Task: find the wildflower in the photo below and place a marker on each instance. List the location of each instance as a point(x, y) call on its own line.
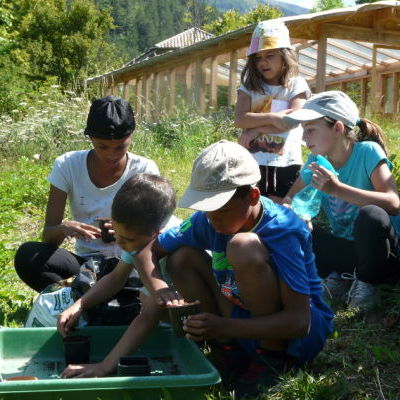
point(36, 156)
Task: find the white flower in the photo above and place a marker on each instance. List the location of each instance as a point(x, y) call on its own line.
point(36, 156)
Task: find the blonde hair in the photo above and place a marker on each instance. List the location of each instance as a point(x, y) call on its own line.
point(364, 130)
point(253, 80)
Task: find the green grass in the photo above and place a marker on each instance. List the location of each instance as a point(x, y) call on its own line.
point(360, 360)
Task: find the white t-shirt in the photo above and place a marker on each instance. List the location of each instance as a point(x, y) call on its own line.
point(282, 149)
point(89, 202)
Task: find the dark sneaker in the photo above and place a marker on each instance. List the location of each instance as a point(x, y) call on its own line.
point(229, 359)
point(263, 372)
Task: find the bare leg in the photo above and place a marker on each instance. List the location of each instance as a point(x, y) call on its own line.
point(257, 282)
point(190, 270)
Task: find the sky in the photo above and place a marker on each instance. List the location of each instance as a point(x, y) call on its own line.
point(310, 3)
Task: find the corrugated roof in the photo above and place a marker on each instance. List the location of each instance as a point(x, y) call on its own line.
point(185, 38)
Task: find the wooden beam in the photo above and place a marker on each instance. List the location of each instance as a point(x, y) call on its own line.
point(343, 86)
point(232, 89)
point(156, 96)
point(171, 89)
point(139, 102)
point(375, 93)
point(363, 95)
point(357, 33)
point(321, 63)
point(200, 85)
point(188, 84)
point(395, 89)
point(213, 82)
point(147, 106)
point(125, 91)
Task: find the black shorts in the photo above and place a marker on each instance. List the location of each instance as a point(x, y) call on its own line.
point(277, 181)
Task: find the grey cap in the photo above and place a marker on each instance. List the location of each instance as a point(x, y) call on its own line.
point(333, 104)
point(216, 174)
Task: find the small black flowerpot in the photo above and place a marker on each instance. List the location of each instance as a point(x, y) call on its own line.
point(177, 314)
point(133, 366)
point(77, 349)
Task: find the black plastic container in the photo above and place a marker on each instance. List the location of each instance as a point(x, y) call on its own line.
point(133, 366)
point(105, 236)
point(178, 314)
point(77, 349)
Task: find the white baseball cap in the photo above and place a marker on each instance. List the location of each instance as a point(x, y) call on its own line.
point(269, 35)
point(216, 174)
point(333, 104)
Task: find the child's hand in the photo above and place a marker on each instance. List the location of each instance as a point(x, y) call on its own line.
point(203, 326)
point(277, 120)
point(85, 371)
point(169, 297)
point(324, 180)
point(247, 136)
point(80, 230)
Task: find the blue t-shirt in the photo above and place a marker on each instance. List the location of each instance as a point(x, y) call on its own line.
point(289, 244)
point(357, 173)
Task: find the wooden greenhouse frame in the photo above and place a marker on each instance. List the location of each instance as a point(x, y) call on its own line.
point(336, 48)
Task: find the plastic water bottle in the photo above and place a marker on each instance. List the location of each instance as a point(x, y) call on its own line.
point(307, 203)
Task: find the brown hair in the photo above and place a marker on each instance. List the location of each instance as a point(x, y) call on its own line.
point(253, 80)
point(367, 130)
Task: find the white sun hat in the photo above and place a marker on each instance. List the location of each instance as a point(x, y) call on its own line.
point(216, 174)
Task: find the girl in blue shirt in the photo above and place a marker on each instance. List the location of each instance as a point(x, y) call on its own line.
point(361, 202)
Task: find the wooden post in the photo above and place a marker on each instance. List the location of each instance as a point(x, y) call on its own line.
point(171, 89)
point(395, 92)
point(363, 95)
point(213, 82)
point(188, 84)
point(232, 89)
point(343, 86)
point(375, 95)
point(139, 85)
point(125, 91)
point(200, 86)
point(156, 96)
point(321, 63)
point(147, 97)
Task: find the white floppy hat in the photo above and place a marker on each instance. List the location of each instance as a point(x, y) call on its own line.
point(333, 104)
point(216, 174)
point(269, 35)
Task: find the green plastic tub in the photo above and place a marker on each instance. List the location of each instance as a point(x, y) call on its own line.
point(179, 370)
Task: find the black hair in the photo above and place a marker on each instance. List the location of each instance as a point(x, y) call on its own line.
point(144, 203)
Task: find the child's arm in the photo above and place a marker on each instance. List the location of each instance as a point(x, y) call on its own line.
point(137, 332)
point(246, 119)
point(103, 290)
point(291, 322)
point(149, 270)
point(385, 194)
point(298, 185)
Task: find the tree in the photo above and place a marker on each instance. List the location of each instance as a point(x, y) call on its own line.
point(323, 5)
point(232, 19)
point(62, 39)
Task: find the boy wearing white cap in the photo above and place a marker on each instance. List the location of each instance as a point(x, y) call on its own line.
point(259, 292)
point(271, 87)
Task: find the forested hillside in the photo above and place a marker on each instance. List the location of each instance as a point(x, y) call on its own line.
point(139, 24)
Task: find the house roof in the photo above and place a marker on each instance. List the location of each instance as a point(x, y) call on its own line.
point(185, 38)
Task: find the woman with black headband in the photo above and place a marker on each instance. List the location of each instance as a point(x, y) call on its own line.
point(89, 180)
